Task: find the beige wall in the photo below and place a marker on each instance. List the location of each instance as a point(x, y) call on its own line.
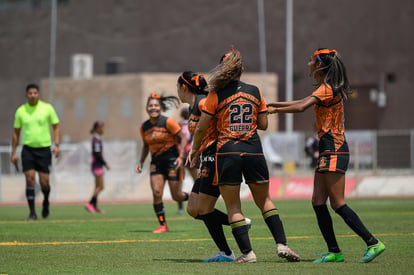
point(137, 87)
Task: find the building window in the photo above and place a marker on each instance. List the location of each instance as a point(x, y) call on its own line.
point(80, 108)
point(126, 106)
point(102, 111)
point(59, 104)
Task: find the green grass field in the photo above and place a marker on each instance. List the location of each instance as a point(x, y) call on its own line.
point(121, 241)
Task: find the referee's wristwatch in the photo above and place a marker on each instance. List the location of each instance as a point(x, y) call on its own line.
point(57, 145)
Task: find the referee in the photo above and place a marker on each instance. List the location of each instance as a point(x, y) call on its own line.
point(35, 118)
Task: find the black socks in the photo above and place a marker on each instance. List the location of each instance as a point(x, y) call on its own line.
point(215, 229)
point(30, 196)
point(353, 221)
point(326, 227)
point(275, 226)
point(240, 232)
point(160, 212)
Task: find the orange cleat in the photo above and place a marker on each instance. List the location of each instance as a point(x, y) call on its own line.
point(161, 229)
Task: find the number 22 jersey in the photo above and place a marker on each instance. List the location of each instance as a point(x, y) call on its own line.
point(236, 108)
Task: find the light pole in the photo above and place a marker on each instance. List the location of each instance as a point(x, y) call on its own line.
point(289, 61)
point(262, 43)
point(52, 57)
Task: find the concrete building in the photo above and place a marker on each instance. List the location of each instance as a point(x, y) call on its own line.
point(158, 36)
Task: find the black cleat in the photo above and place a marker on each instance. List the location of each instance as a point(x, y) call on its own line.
point(32, 217)
point(45, 210)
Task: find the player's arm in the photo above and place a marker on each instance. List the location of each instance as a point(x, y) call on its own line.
point(262, 121)
point(296, 106)
point(144, 154)
point(56, 138)
point(200, 132)
point(15, 142)
point(183, 144)
point(283, 103)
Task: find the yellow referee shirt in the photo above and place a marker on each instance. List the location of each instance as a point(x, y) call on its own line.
point(35, 122)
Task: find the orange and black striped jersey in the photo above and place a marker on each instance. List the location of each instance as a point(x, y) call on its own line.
point(195, 113)
point(236, 108)
point(329, 112)
point(161, 137)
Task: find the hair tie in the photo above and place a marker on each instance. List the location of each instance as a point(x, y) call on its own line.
point(154, 95)
point(186, 81)
point(196, 78)
point(324, 51)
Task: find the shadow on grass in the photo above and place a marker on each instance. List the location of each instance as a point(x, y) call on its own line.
point(179, 260)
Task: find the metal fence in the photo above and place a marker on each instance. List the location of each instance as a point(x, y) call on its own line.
point(72, 179)
point(370, 150)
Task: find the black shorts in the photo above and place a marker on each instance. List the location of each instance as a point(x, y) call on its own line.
point(330, 161)
point(38, 159)
point(166, 167)
point(208, 175)
point(232, 166)
point(333, 163)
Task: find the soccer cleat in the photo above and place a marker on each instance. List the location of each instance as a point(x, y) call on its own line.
point(32, 217)
point(89, 207)
point(161, 229)
point(372, 252)
point(283, 251)
point(247, 258)
point(248, 223)
point(45, 210)
point(221, 257)
point(330, 257)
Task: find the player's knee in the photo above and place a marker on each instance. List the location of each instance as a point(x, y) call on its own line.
point(30, 180)
point(156, 194)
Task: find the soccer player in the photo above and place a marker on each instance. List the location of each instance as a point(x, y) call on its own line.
point(191, 89)
point(328, 70)
point(240, 110)
point(35, 118)
point(97, 165)
point(159, 135)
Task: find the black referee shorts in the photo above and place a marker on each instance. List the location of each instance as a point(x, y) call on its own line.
point(38, 159)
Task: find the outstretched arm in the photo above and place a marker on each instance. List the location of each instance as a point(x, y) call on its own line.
point(296, 106)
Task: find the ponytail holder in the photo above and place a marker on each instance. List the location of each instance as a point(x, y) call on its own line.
point(324, 51)
point(227, 54)
point(196, 78)
point(154, 95)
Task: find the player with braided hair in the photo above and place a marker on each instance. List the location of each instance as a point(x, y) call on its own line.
point(328, 70)
point(160, 138)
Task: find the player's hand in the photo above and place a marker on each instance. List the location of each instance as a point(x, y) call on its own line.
point(56, 151)
point(107, 167)
point(271, 109)
point(194, 159)
point(178, 162)
point(14, 159)
point(138, 169)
